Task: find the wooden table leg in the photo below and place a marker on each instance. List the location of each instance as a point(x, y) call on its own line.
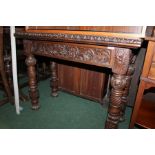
point(128, 78)
point(122, 58)
point(33, 91)
point(54, 79)
point(118, 84)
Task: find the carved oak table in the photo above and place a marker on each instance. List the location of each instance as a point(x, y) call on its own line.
point(103, 49)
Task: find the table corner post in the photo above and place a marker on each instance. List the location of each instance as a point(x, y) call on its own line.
point(31, 62)
point(122, 58)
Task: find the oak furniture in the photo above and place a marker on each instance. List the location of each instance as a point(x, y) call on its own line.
point(101, 46)
point(144, 109)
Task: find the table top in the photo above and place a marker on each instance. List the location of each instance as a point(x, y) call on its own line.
point(122, 36)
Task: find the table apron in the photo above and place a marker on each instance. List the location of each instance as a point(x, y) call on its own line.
point(88, 54)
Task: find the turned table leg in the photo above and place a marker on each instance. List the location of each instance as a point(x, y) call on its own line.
point(33, 91)
point(54, 79)
point(119, 83)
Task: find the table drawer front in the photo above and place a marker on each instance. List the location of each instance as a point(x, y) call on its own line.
point(89, 54)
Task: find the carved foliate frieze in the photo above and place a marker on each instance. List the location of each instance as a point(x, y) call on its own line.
point(122, 60)
point(94, 55)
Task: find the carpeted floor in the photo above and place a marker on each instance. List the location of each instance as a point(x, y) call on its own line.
point(63, 112)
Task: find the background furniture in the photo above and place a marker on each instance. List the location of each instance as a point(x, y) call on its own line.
point(108, 47)
point(88, 82)
point(8, 60)
point(3, 75)
point(144, 109)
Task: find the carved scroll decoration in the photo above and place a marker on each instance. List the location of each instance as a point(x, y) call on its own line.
point(74, 52)
point(121, 60)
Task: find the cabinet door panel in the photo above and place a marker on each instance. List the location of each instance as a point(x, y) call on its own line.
point(69, 78)
point(82, 80)
point(92, 84)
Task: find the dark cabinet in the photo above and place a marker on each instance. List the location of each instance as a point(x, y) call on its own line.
point(80, 80)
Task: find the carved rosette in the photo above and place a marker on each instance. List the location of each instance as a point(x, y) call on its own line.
point(97, 55)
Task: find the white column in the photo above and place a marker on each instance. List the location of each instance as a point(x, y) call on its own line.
point(14, 68)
